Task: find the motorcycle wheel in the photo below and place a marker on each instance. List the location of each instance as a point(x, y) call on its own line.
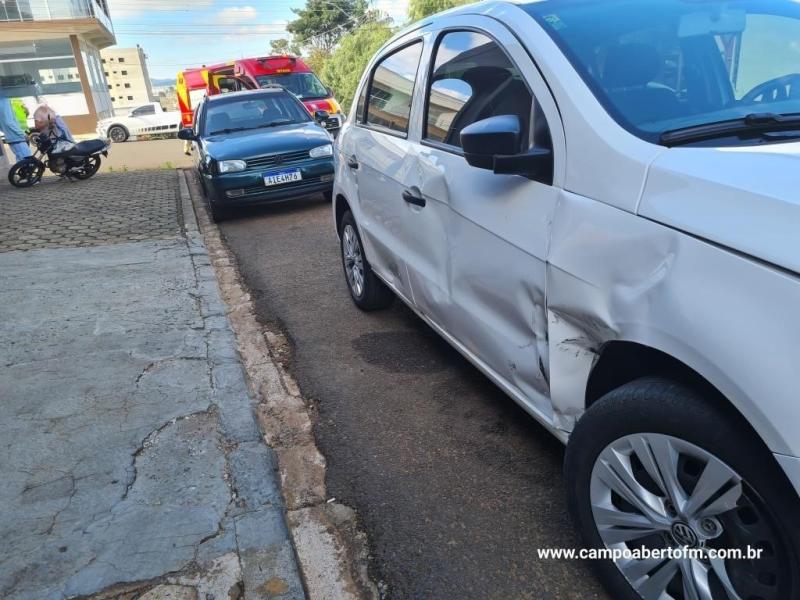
point(26, 173)
point(87, 169)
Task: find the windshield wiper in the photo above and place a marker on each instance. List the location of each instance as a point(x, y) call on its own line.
point(278, 122)
point(230, 130)
point(270, 124)
point(751, 124)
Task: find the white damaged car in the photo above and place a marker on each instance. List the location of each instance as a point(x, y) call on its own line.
point(148, 119)
point(598, 204)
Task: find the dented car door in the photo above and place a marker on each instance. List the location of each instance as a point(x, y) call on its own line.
point(491, 296)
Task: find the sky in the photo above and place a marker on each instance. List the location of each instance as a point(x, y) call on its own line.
point(177, 34)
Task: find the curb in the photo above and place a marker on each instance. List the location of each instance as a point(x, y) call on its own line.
point(331, 550)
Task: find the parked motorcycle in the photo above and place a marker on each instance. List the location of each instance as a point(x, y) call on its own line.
point(73, 161)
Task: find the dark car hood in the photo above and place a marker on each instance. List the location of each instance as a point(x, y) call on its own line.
point(271, 140)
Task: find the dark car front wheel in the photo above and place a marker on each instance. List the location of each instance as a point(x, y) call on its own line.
point(218, 213)
point(656, 465)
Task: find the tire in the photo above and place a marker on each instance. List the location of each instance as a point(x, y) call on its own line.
point(118, 134)
point(685, 434)
point(366, 289)
point(92, 166)
point(26, 173)
point(218, 213)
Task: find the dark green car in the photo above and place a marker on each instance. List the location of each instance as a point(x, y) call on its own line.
point(258, 147)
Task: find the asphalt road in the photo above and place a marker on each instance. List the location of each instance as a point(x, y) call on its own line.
point(455, 485)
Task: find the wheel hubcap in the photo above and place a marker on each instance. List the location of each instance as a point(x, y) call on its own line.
point(655, 491)
point(353, 260)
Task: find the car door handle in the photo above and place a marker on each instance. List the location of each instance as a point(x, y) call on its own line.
point(352, 162)
point(413, 198)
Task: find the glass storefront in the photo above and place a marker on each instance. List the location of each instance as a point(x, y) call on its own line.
point(51, 64)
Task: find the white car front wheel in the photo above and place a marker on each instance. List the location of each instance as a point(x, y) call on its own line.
point(656, 466)
point(118, 134)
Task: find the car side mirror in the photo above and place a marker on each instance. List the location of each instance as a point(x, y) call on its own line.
point(321, 116)
point(187, 134)
point(494, 143)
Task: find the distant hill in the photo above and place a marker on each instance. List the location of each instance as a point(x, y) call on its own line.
point(162, 82)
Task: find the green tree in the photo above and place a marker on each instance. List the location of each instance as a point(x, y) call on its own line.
point(316, 58)
point(419, 9)
point(283, 46)
point(323, 22)
point(342, 71)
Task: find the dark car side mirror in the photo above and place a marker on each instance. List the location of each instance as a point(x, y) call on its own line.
point(494, 143)
point(187, 134)
point(320, 116)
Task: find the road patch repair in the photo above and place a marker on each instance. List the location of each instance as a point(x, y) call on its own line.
point(331, 548)
point(134, 466)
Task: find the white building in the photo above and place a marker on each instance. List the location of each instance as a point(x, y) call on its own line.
point(128, 79)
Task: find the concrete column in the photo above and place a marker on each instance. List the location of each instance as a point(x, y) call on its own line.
point(81, 124)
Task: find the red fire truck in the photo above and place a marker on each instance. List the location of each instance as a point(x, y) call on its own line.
point(190, 88)
point(289, 72)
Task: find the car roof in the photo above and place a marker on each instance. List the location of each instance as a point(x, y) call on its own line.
point(474, 8)
point(246, 94)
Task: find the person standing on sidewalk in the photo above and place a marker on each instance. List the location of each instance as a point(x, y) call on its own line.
point(15, 136)
point(21, 112)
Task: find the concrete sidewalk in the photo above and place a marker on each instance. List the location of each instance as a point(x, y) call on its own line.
point(132, 464)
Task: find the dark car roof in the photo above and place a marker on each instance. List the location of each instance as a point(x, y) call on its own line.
point(246, 94)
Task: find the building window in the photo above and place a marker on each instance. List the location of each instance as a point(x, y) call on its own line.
point(121, 59)
point(130, 97)
point(109, 87)
point(124, 73)
point(127, 85)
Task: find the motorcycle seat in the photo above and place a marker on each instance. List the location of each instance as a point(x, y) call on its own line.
point(88, 147)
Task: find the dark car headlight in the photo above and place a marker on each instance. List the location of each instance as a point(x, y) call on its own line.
point(231, 166)
point(321, 151)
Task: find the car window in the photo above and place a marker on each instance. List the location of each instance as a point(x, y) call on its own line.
point(144, 110)
point(663, 65)
point(472, 79)
point(253, 113)
point(392, 88)
point(305, 86)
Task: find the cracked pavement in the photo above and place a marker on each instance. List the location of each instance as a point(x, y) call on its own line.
point(132, 458)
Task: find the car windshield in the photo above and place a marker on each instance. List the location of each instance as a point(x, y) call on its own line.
point(662, 65)
point(303, 85)
point(249, 112)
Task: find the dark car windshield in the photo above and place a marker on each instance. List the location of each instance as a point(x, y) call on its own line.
point(662, 65)
point(253, 112)
point(303, 85)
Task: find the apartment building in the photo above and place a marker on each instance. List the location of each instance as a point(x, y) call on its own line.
point(57, 43)
point(128, 79)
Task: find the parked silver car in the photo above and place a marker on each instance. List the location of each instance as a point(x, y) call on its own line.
point(597, 204)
